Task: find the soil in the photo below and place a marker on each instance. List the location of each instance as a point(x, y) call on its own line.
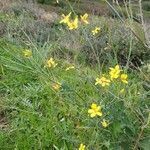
point(3, 120)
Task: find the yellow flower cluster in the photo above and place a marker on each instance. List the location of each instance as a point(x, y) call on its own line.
point(50, 63)
point(94, 111)
point(27, 53)
point(56, 86)
point(73, 24)
point(114, 73)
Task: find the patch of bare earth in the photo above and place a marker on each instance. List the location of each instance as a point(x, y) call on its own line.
point(4, 4)
point(3, 121)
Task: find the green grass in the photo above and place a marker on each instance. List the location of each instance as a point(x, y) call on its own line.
point(41, 118)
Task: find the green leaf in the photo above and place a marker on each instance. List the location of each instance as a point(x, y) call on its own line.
point(116, 128)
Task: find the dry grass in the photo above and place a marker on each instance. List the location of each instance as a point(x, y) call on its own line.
point(5, 4)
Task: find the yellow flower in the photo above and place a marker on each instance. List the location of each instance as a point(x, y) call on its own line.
point(102, 81)
point(56, 86)
point(82, 147)
point(124, 78)
point(122, 91)
point(73, 24)
point(69, 68)
point(95, 110)
point(65, 18)
point(50, 63)
point(84, 18)
point(104, 123)
point(27, 53)
point(96, 30)
point(114, 72)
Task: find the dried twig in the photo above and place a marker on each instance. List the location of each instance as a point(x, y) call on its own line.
point(141, 132)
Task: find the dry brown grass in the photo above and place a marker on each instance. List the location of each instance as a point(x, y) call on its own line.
point(4, 4)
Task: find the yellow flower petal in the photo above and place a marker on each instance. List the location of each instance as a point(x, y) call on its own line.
point(27, 53)
point(50, 63)
point(93, 115)
point(65, 18)
point(82, 147)
point(96, 30)
point(73, 24)
point(69, 68)
point(84, 18)
point(90, 111)
point(56, 86)
point(102, 81)
point(104, 123)
point(122, 91)
point(124, 78)
point(99, 113)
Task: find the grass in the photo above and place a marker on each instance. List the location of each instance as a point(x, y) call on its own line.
point(41, 117)
point(35, 115)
